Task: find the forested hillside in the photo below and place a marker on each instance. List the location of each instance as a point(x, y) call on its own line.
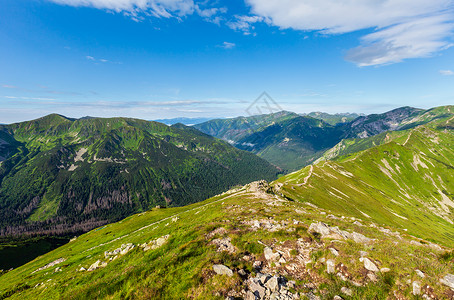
point(62, 175)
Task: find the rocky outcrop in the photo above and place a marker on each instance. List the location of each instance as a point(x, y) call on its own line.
point(222, 270)
point(368, 264)
point(224, 244)
point(448, 280)
point(326, 231)
point(265, 286)
point(51, 264)
point(154, 244)
point(122, 250)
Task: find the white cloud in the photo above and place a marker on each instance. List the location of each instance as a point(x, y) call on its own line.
point(159, 8)
point(138, 9)
point(446, 72)
point(404, 28)
point(227, 45)
point(244, 23)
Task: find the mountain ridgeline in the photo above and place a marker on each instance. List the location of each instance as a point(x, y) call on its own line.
point(61, 175)
point(291, 141)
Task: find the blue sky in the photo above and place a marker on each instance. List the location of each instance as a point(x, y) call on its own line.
point(155, 59)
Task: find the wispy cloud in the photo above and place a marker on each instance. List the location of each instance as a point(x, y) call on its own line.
point(43, 89)
point(446, 72)
point(227, 45)
point(100, 60)
point(403, 28)
point(138, 10)
point(29, 98)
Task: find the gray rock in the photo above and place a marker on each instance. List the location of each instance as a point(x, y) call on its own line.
point(368, 264)
point(448, 280)
point(416, 287)
point(273, 284)
point(242, 272)
point(372, 277)
point(257, 264)
point(334, 251)
point(347, 291)
point(222, 270)
point(270, 255)
point(420, 273)
point(251, 296)
point(257, 289)
point(320, 228)
point(263, 278)
point(330, 266)
point(311, 296)
point(385, 270)
point(337, 297)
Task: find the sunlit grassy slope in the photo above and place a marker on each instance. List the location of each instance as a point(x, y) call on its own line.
point(399, 194)
point(407, 182)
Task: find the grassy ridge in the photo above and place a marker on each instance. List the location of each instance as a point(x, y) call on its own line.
point(406, 183)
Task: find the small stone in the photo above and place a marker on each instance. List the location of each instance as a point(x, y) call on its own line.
point(416, 288)
point(420, 273)
point(334, 251)
point(369, 265)
point(273, 284)
point(82, 269)
point(342, 276)
point(257, 264)
point(257, 289)
point(358, 223)
point(270, 255)
point(263, 278)
point(330, 266)
point(251, 296)
point(372, 277)
point(347, 291)
point(448, 280)
point(222, 270)
point(385, 270)
point(242, 272)
point(337, 297)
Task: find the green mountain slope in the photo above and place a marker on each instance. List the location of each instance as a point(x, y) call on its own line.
point(246, 243)
point(61, 175)
point(407, 183)
point(232, 130)
point(285, 139)
point(435, 118)
point(333, 119)
point(292, 144)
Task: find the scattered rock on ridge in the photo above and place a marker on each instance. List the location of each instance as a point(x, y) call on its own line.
point(368, 264)
point(224, 244)
point(448, 280)
point(51, 264)
point(154, 244)
point(222, 270)
point(335, 233)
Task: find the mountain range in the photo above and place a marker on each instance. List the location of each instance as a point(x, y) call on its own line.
point(60, 175)
point(373, 220)
point(291, 141)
